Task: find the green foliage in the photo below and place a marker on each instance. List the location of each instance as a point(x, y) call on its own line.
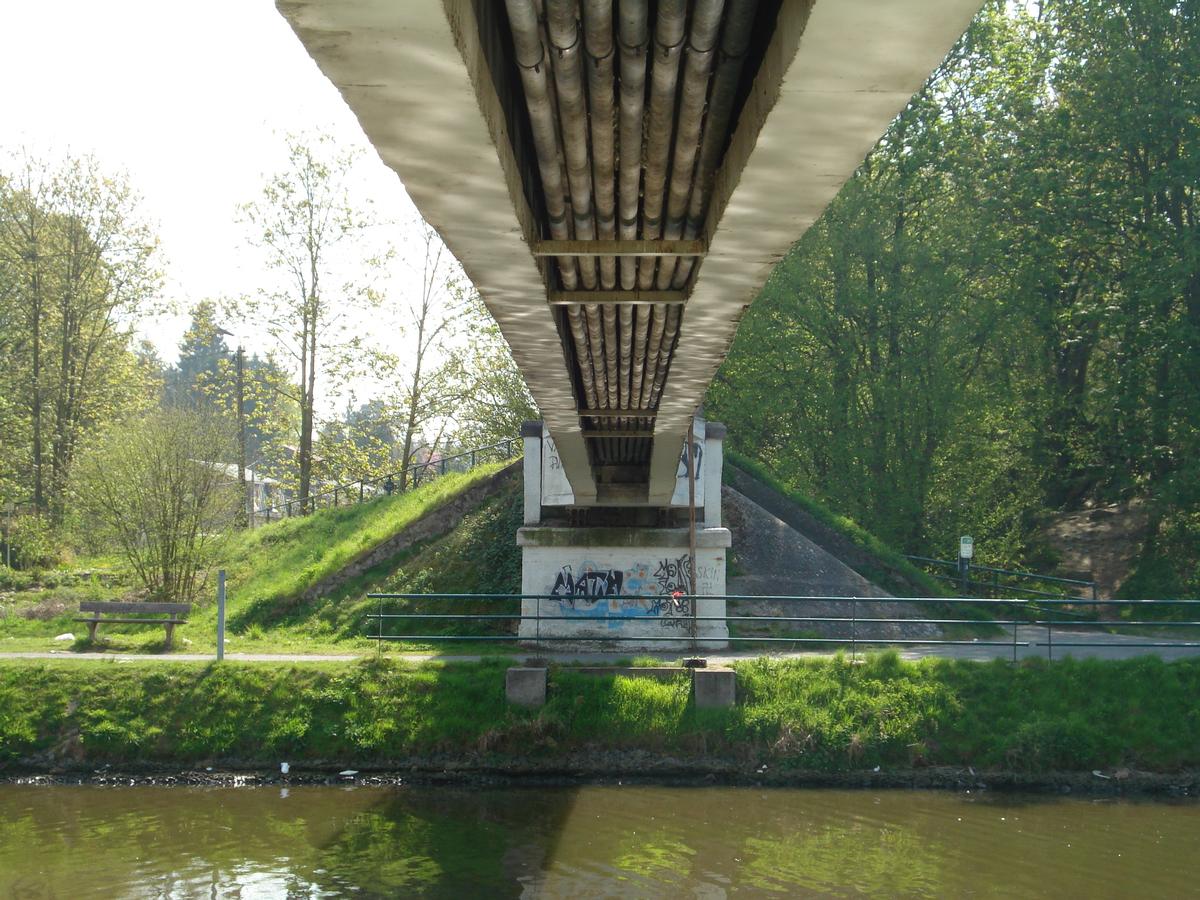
point(35, 543)
point(158, 488)
point(999, 315)
point(817, 714)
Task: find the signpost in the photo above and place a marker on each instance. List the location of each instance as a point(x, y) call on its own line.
point(966, 551)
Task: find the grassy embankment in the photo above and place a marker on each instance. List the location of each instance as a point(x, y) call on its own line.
point(269, 570)
point(818, 715)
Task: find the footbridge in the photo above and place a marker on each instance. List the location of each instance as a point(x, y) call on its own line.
point(619, 177)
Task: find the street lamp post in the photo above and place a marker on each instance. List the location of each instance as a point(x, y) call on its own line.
point(246, 504)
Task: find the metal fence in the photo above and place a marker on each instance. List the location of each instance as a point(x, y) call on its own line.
point(365, 489)
point(852, 617)
point(995, 582)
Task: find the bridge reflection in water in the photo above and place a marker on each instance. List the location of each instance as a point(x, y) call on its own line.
point(585, 841)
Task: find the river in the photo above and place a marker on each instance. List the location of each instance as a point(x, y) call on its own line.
point(591, 841)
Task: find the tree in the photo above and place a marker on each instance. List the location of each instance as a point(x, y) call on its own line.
point(312, 236)
point(77, 264)
point(490, 400)
point(160, 489)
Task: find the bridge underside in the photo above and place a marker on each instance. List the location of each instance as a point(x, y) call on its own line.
point(619, 177)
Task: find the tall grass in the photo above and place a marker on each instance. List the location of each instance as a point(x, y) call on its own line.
point(815, 715)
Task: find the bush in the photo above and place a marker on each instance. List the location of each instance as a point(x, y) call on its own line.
point(35, 545)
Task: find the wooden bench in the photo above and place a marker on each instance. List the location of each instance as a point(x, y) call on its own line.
point(128, 613)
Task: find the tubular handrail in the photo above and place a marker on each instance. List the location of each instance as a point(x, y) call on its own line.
point(1016, 614)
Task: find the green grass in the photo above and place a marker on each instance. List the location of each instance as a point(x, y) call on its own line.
point(889, 558)
point(269, 570)
point(823, 715)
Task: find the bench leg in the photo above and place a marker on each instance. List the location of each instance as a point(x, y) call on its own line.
point(92, 629)
point(170, 635)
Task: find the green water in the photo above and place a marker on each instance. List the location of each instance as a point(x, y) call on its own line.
point(604, 841)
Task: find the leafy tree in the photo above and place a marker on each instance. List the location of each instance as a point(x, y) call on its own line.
point(159, 488)
point(76, 266)
point(312, 235)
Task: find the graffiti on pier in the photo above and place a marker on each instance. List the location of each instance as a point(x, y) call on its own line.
point(673, 575)
point(657, 589)
point(589, 584)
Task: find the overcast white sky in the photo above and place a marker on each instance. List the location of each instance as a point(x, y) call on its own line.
point(191, 101)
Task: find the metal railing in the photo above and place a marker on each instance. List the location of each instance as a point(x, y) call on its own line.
point(852, 618)
point(364, 489)
point(999, 579)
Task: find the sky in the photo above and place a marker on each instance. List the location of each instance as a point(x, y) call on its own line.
point(192, 102)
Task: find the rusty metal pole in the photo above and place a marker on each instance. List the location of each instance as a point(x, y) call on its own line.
point(691, 458)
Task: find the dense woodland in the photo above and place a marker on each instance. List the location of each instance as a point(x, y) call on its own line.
point(999, 315)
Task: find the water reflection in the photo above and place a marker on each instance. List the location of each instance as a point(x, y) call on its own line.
point(584, 842)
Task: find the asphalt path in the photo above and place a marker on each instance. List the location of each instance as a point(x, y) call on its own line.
point(1031, 641)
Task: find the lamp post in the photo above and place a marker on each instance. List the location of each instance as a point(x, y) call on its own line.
point(243, 516)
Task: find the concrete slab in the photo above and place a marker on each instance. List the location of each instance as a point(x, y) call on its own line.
point(525, 686)
point(714, 688)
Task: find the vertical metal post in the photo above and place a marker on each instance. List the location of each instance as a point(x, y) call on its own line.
point(1014, 624)
point(537, 625)
point(362, 487)
point(220, 615)
point(247, 502)
point(853, 629)
point(379, 619)
point(1049, 636)
point(691, 458)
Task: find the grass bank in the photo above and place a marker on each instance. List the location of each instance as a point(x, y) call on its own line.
point(817, 716)
point(270, 569)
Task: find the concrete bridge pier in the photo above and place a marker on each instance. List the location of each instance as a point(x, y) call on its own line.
point(622, 569)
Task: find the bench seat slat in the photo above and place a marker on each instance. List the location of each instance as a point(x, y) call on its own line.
point(108, 606)
point(145, 621)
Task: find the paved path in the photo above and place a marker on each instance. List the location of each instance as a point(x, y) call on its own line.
point(1031, 642)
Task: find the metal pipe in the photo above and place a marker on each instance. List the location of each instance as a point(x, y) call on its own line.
point(670, 332)
point(735, 40)
point(637, 372)
point(598, 44)
point(697, 66)
point(625, 314)
point(591, 312)
point(664, 74)
point(565, 42)
point(633, 36)
point(658, 323)
point(582, 353)
point(534, 68)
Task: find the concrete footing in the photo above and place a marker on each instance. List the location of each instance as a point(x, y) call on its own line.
point(525, 687)
point(714, 688)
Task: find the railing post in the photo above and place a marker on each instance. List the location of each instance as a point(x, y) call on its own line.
point(379, 641)
point(853, 629)
point(472, 459)
point(1014, 624)
point(335, 498)
point(1049, 636)
point(362, 486)
point(220, 615)
point(537, 625)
